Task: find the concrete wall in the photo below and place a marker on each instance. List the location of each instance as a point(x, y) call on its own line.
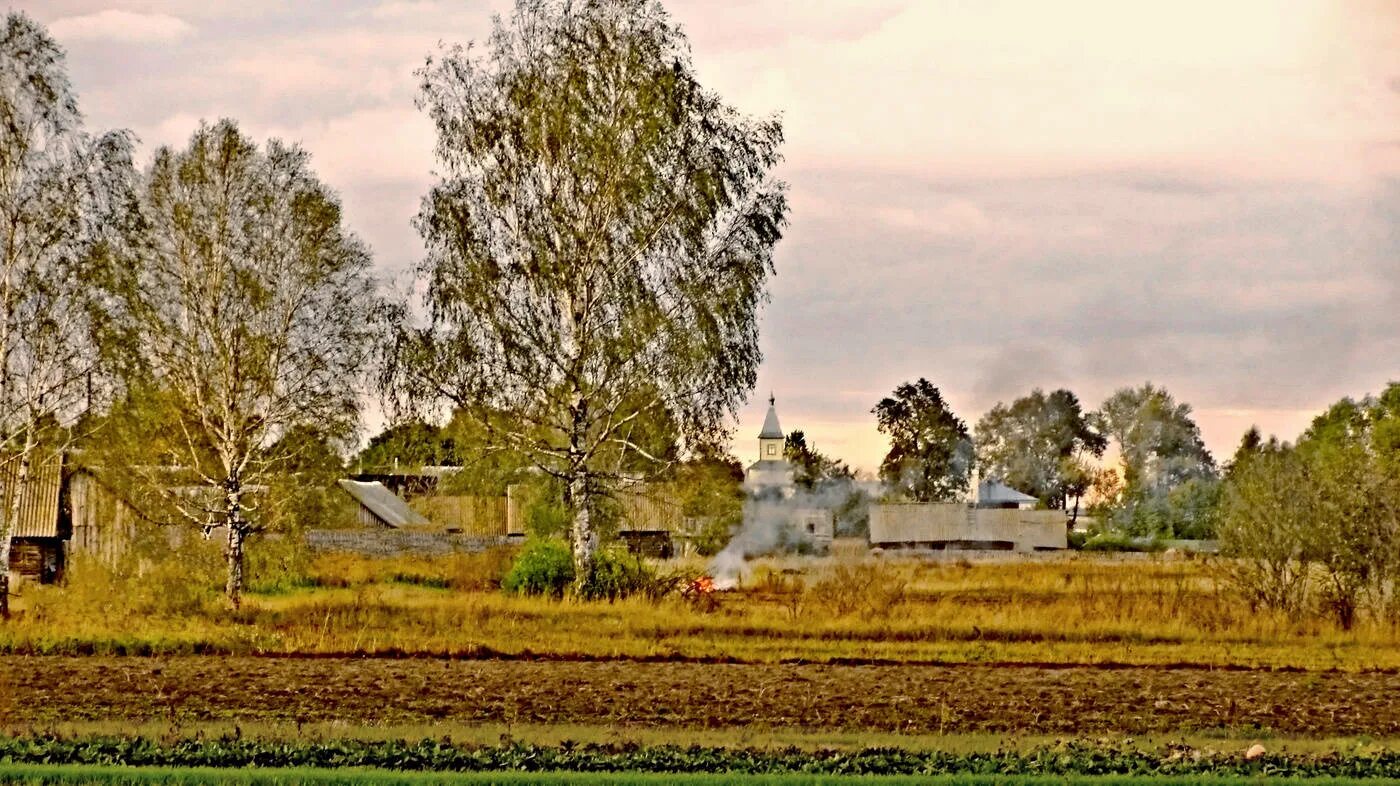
point(396, 542)
point(942, 523)
point(818, 523)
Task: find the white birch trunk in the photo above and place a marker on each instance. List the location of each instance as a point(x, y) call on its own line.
point(584, 539)
point(11, 515)
point(5, 527)
point(237, 531)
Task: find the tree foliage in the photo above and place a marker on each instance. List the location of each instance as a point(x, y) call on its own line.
point(1264, 528)
point(1169, 483)
point(812, 469)
point(63, 195)
point(408, 445)
point(1158, 441)
point(828, 482)
point(931, 455)
point(1353, 491)
point(246, 315)
point(1321, 518)
point(710, 491)
point(1038, 445)
point(598, 245)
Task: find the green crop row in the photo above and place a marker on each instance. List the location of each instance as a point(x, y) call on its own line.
point(1072, 758)
point(77, 775)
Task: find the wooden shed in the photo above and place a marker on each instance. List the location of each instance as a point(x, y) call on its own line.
point(65, 509)
point(101, 522)
point(38, 526)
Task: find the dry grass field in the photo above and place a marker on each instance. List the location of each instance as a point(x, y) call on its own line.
point(1065, 610)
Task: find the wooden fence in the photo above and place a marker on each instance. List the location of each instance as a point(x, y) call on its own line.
point(464, 514)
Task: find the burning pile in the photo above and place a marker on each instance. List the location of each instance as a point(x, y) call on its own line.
point(700, 585)
point(700, 591)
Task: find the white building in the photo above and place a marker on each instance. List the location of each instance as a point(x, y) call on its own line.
point(796, 521)
point(771, 471)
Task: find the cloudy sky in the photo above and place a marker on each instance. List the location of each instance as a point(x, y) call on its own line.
point(994, 195)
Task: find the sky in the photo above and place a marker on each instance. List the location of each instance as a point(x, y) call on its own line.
point(993, 195)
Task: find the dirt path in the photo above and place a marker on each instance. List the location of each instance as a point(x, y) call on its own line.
point(921, 699)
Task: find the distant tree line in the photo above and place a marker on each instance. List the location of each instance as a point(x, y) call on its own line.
point(1048, 446)
point(1312, 525)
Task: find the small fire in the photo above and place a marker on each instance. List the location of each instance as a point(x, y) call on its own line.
point(700, 591)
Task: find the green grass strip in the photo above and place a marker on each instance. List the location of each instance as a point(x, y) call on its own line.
point(88, 775)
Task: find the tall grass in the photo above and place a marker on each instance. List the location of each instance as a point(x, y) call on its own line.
point(1075, 609)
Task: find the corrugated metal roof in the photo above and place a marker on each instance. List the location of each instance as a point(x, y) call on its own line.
point(38, 510)
point(383, 503)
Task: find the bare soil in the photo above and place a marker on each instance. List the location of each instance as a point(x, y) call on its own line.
point(912, 699)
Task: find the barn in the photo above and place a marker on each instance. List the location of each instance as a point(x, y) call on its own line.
point(63, 509)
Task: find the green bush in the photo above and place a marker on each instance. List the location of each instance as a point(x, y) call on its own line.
point(544, 567)
point(617, 573)
point(1118, 541)
point(1189, 511)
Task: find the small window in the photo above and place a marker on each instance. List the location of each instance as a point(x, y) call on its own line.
point(772, 450)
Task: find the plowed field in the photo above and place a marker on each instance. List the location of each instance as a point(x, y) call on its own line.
point(914, 699)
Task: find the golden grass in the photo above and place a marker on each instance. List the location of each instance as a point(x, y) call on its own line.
point(1070, 609)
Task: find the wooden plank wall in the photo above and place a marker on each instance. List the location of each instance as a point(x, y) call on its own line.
point(652, 507)
point(466, 514)
point(103, 523)
point(648, 508)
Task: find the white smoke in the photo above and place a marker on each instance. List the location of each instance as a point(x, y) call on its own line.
point(772, 524)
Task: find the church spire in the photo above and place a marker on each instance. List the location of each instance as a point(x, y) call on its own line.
point(771, 429)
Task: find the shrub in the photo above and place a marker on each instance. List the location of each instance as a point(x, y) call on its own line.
point(617, 573)
point(1117, 541)
point(713, 533)
point(278, 563)
point(544, 567)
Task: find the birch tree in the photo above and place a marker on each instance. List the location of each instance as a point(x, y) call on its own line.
point(598, 244)
point(246, 317)
point(63, 195)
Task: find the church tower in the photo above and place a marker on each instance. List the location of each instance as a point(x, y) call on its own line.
point(770, 439)
point(772, 470)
